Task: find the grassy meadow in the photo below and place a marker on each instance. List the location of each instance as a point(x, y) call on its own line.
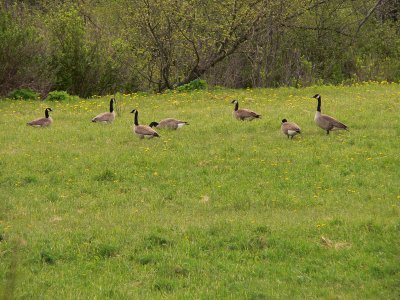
point(219, 209)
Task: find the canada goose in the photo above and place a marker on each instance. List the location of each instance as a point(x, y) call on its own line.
point(326, 122)
point(42, 122)
point(289, 128)
point(244, 114)
point(142, 130)
point(106, 117)
point(169, 123)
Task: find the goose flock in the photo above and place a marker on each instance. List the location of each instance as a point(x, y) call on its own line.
point(290, 129)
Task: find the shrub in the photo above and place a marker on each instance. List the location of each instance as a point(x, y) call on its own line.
point(197, 84)
point(23, 94)
point(23, 59)
point(58, 96)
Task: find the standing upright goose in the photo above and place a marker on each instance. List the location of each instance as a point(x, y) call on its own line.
point(289, 128)
point(143, 131)
point(326, 122)
point(169, 123)
point(106, 117)
point(42, 122)
point(243, 113)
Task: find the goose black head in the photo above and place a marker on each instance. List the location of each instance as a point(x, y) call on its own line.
point(153, 124)
point(234, 101)
point(133, 111)
point(49, 109)
point(284, 121)
point(317, 96)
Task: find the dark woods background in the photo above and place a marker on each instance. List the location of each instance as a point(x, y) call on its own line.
point(92, 47)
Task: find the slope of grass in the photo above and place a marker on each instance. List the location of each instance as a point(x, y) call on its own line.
point(219, 209)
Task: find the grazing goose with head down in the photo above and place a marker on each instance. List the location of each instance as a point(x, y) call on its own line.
point(289, 128)
point(143, 131)
point(243, 113)
point(42, 122)
point(106, 117)
point(326, 122)
point(169, 123)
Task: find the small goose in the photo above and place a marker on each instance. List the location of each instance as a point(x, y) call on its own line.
point(106, 117)
point(326, 122)
point(244, 114)
point(143, 131)
point(169, 123)
point(290, 129)
point(42, 122)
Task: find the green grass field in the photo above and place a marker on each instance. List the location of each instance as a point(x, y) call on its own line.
point(220, 209)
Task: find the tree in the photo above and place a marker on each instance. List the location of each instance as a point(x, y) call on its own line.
point(181, 40)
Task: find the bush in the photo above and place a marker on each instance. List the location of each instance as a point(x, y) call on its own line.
point(58, 96)
point(23, 94)
point(197, 84)
point(23, 60)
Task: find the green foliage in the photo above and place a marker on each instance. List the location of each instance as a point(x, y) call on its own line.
point(378, 55)
point(23, 94)
point(69, 51)
point(85, 64)
point(58, 96)
point(197, 84)
point(220, 209)
point(21, 52)
point(95, 48)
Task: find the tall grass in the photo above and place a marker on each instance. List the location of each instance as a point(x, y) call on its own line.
point(219, 209)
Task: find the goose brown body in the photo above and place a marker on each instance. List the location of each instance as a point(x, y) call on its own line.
point(244, 113)
point(169, 123)
point(326, 122)
point(290, 129)
point(42, 122)
point(106, 117)
point(143, 131)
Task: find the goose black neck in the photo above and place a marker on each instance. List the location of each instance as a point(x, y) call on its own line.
point(46, 113)
point(319, 104)
point(236, 106)
point(111, 106)
point(136, 118)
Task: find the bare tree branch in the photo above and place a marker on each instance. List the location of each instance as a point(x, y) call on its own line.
point(303, 11)
point(363, 21)
point(338, 31)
